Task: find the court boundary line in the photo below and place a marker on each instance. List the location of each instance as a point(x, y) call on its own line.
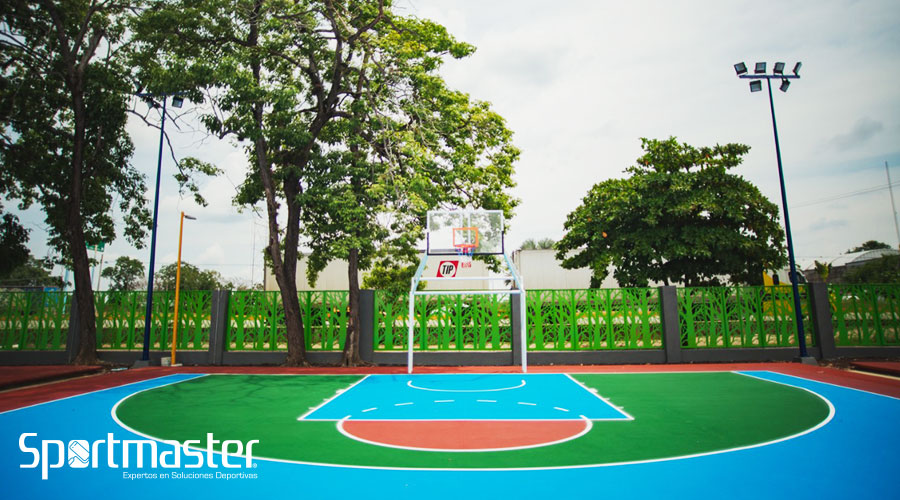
point(581, 466)
point(338, 394)
point(99, 390)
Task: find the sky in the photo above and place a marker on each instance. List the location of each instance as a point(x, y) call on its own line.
point(580, 82)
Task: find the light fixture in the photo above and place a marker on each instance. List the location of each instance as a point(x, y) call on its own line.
point(740, 68)
point(760, 68)
point(797, 68)
point(177, 101)
point(785, 84)
point(755, 85)
point(779, 68)
point(189, 217)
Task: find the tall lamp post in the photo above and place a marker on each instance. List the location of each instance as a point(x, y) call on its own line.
point(178, 284)
point(177, 102)
point(759, 74)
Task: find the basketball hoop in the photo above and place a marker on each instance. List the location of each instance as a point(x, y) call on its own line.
point(464, 252)
point(465, 240)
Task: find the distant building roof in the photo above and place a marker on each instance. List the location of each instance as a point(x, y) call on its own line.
point(848, 259)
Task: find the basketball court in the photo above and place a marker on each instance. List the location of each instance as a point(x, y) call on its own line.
point(742, 431)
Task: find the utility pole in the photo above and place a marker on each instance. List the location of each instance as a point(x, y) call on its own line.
point(893, 205)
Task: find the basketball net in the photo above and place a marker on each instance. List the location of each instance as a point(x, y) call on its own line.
point(464, 253)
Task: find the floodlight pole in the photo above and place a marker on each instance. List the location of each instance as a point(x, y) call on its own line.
point(145, 355)
point(798, 313)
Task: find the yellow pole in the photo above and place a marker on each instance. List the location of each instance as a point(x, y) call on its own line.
point(177, 289)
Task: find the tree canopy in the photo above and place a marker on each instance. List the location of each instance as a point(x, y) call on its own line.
point(13, 243)
point(869, 245)
point(680, 217)
point(33, 273)
point(126, 273)
point(192, 278)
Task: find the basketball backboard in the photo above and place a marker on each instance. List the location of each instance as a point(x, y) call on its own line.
point(478, 231)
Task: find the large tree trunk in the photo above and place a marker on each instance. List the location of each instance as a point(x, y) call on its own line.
point(87, 327)
point(351, 341)
point(284, 267)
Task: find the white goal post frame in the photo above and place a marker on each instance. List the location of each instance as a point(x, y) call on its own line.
point(519, 290)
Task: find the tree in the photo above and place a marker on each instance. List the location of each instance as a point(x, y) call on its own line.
point(13, 243)
point(277, 73)
point(544, 244)
point(823, 269)
point(64, 91)
point(126, 274)
point(883, 270)
point(33, 273)
point(869, 245)
point(408, 144)
point(680, 217)
point(192, 278)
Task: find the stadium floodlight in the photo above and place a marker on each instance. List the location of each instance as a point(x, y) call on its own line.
point(759, 74)
point(740, 68)
point(177, 101)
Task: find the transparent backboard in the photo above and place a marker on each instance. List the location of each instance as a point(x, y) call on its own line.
point(449, 230)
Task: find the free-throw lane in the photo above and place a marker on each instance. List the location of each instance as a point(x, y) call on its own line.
point(675, 414)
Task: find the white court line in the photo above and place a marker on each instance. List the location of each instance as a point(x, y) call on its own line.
point(108, 389)
point(332, 398)
point(609, 464)
point(596, 394)
point(410, 384)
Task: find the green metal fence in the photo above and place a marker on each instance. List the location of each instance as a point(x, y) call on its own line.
point(256, 320)
point(865, 315)
point(559, 320)
point(34, 320)
point(443, 322)
point(614, 318)
point(717, 317)
point(120, 319)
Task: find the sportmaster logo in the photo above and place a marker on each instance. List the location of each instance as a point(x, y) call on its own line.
point(125, 453)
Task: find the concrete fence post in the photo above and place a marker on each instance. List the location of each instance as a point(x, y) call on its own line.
point(367, 325)
point(515, 325)
point(671, 329)
point(823, 328)
point(218, 326)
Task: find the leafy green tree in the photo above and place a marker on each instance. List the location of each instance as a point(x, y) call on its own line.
point(883, 270)
point(192, 278)
point(126, 274)
point(408, 144)
point(679, 217)
point(32, 273)
point(13, 243)
point(64, 94)
point(278, 72)
point(869, 245)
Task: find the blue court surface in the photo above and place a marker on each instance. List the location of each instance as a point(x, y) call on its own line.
point(550, 396)
point(853, 455)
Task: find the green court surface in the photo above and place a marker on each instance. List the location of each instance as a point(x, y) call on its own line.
point(675, 415)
